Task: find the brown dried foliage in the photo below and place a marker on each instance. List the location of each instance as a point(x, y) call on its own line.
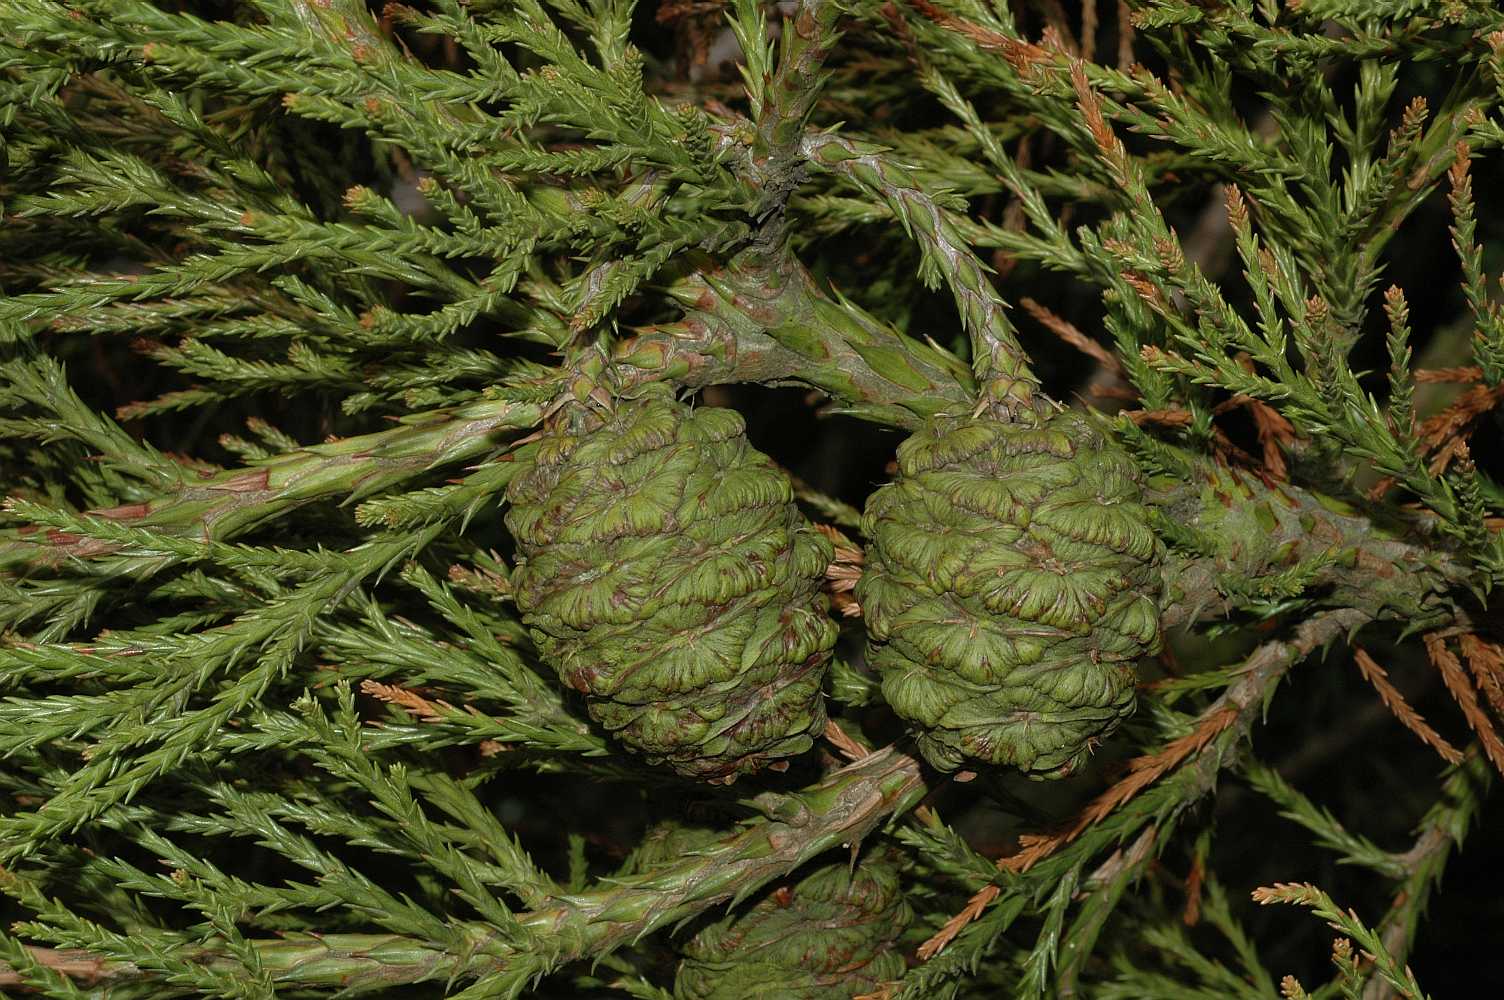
point(415, 704)
point(1455, 678)
point(1142, 772)
point(1401, 709)
point(1025, 59)
point(1274, 433)
point(1441, 433)
point(844, 744)
point(1486, 661)
point(843, 572)
point(1072, 335)
point(945, 935)
point(1465, 374)
point(1163, 418)
point(1191, 915)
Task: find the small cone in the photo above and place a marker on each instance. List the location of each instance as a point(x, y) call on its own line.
point(828, 937)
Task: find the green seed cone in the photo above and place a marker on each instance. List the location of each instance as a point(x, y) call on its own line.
point(666, 573)
point(1008, 590)
point(829, 937)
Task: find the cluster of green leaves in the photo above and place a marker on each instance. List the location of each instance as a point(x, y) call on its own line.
point(283, 286)
point(1332, 186)
point(264, 273)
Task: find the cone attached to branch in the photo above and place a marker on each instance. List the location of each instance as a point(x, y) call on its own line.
point(666, 574)
point(828, 937)
point(1009, 588)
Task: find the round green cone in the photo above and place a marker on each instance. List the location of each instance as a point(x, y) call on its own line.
point(665, 573)
point(828, 937)
point(1009, 590)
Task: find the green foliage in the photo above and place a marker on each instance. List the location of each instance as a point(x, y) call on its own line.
point(377, 526)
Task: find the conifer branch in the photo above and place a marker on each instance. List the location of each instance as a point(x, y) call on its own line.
point(223, 505)
point(763, 319)
point(998, 360)
point(1196, 760)
point(765, 322)
point(841, 810)
point(783, 101)
point(1387, 966)
point(1440, 832)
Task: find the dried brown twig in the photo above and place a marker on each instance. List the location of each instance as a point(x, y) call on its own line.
point(1401, 709)
point(842, 808)
point(1455, 678)
point(1142, 772)
point(1486, 661)
point(843, 572)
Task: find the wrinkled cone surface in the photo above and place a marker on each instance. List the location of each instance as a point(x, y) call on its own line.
point(666, 573)
point(829, 937)
point(1009, 589)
